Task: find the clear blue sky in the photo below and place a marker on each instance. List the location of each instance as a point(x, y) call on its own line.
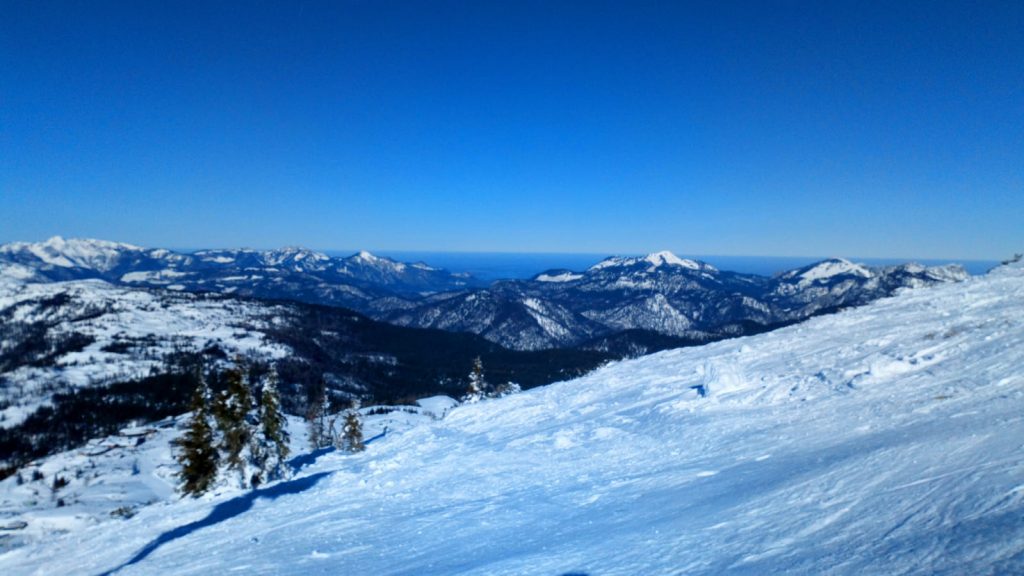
point(872, 129)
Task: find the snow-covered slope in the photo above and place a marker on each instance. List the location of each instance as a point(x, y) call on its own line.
point(881, 440)
point(112, 477)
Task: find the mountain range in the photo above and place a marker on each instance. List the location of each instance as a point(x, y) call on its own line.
point(619, 298)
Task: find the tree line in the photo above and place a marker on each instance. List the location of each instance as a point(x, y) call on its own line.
point(240, 435)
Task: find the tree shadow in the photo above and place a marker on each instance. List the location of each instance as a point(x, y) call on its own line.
point(303, 460)
point(224, 511)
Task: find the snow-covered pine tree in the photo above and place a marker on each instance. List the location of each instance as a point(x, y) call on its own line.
point(318, 419)
point(198, 454)
point(351, 437)
point(477, 388)
point(232, 414)
point(270, 440)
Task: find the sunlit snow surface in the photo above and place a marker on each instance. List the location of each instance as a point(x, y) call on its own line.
point(883, 440)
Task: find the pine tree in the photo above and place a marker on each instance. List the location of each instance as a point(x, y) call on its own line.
point(319, 421)
point(270, 442)
point(232, 412)
point(351, 437)
point(477, 388)
point(198, 457)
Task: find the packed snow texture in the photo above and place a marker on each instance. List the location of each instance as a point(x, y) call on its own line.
point(887, 439)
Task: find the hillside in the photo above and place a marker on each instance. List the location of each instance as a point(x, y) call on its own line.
point(884, 439)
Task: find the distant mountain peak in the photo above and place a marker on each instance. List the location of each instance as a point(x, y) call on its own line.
point(366, 258)
point(655, 260)
point(71, 252)
point(830, 268)
point(295, 254)
point(667, 258)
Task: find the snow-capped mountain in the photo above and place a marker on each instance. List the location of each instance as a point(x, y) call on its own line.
point(884, 439)
point(356, 282)
point(659, 293)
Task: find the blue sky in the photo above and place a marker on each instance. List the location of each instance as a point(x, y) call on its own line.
point(752, 128)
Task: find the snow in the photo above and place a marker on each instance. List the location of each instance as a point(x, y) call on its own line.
point(364, 257)
point(542, 316)
point(220, 259)
point(563, 277)
point(17, 272)
point(294, 254)
point(69, 253)
point(885, 439)
point(655, 260)
point(155, 276)
point(108, 478)
point(437, 406)
point(667, 258)
point(166, 322)
point(833, 267)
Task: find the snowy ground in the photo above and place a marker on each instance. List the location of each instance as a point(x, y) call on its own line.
point(154, 323)
point(884, 440)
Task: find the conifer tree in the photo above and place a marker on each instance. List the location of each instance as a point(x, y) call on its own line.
point(477, 388)
point(318, 419)
point(232, 412)
point(351, 437)
point(270, 442)
point(198, 456)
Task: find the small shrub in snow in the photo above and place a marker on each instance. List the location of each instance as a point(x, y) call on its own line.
point(125, 512)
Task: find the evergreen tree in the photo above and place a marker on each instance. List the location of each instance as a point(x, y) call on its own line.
point(198, 456)
point(477, 388)
point(232, 412)
point(351, 437)
point(270, 442)
point(318, 419)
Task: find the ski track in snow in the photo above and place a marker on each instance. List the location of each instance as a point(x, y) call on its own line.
point(883, 440)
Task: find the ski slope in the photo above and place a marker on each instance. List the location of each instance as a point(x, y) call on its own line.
point(883, 440)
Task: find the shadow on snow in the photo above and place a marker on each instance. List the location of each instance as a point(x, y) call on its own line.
point(227, 510)
point(241, 504)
